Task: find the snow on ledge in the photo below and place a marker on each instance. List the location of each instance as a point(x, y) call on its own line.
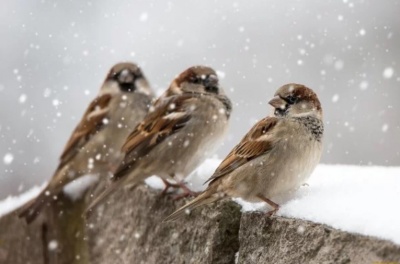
point(358, 199)
point(75, 189)
point(11, 203)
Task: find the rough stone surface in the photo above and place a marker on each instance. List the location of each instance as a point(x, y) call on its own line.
point(129, 229)
point(20, 243)
point(139, 235)
point(281, 240)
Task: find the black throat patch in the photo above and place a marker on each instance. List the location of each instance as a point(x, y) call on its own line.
point(313, 124)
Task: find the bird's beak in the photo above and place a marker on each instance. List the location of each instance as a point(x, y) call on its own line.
point(126, 76)
point(278, 103)
point(212, 80)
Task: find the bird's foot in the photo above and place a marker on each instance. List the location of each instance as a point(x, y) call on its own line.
point(271, 213)
point(271, 203)
point(168, 186)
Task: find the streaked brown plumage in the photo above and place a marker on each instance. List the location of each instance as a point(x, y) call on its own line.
point(275, 157)
point(94, 146)
point(181, 130)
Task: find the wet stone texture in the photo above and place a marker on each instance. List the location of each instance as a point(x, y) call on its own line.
point(129, 229)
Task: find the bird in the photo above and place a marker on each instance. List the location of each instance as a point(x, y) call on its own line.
point(94, 146)
point(182, 129)
point(274, 158)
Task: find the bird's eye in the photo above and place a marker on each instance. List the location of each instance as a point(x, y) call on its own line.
point(197, 80)
point(212, 89)
point(291, 99)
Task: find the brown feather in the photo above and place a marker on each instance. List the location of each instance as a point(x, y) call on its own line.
point(249, 148)
point(155, 128)
point(89, 125)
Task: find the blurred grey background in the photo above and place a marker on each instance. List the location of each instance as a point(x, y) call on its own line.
point(55, 54)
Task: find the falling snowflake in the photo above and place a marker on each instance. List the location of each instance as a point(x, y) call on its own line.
point(388, 73)
point(385, 127)
point(8, 158)
point(335, 98)
point(143, 17)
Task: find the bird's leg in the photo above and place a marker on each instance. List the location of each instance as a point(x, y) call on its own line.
point(169, 185)
point(271, 203)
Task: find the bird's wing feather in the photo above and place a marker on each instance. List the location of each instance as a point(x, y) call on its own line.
point(90, 124)
point(168, 117)
point(255, 143)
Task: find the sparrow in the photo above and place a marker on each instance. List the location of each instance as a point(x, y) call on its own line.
point(274, 158)
point(94, 146)
point(182, 129)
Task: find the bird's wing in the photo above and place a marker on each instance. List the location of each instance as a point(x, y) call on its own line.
point(167, 117)
point(255, 143)
point(91, 123)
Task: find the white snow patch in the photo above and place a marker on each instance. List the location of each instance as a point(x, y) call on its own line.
point(76, 188)
point(11, 203)
point(197, 179)
point(155, 182)
point(237, 257)
point(350, 198)
point(359, 199)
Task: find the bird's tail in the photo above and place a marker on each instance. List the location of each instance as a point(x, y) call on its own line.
point(108, 191)
point(206, 197)
point(32, 209)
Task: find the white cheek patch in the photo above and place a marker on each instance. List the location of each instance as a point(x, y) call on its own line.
point(109, 87)
point(141, 87)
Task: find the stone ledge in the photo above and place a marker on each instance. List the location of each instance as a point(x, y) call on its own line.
point(283, 240)
point(129, 229)
point(138, 234)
